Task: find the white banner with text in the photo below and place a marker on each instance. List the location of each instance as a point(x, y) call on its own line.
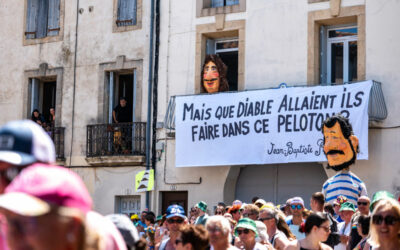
point(266, 126)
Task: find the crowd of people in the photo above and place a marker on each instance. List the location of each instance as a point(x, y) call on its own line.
point(47, 207)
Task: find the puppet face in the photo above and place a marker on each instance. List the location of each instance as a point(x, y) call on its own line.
point(338, 150)
point(211, 77)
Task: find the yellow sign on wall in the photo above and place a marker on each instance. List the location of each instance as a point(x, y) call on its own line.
point(144, 181)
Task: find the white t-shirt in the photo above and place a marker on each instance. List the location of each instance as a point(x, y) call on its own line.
point(343, 230)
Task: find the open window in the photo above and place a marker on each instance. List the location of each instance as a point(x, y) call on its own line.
point(338, 54)
point(228, 51)
point(122, 84)
point(42, 96)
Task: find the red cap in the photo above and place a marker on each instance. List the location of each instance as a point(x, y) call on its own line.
point(37, 187)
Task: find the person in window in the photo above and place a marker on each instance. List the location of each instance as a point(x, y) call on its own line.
point(213, 75)
point(37, 117)
point(122, 113)
point(52, 117)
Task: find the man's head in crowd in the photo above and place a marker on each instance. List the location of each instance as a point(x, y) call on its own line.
point(269, 217)
point(176, 218)
point(246, 230)
point(297, 206)
point(346, 211)
point(340, 144)
point(213, 75)
point(22, 143)
point(219, 230)
point(149, 218)
point(201, 208)
point(192, 237)
point(363, 204)
point(45, 208)
point(317, 202)
point(251, 211)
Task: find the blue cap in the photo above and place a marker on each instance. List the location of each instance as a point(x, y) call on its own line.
point(25, 142)
point(175, 211)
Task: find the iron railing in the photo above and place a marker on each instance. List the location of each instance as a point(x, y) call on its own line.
point(116, 139)
point(57, 135)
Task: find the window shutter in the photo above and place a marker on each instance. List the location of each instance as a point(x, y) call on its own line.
point(232, 2)
point(53, 23)
point(31, 19)
point(217, 3)
point(126, 12)
point(42, 18)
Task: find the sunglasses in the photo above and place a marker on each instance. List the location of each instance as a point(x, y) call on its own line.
point(326, 228)
point(247, 215)
point(266, 218)
point(218, 212)
point(296, 207)
point(362, 203)
point(171, 221)
point(245, 231)
point(389, 220)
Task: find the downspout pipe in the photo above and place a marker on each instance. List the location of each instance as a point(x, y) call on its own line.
point(149, 97)
point(155, 87)
point(74, 85)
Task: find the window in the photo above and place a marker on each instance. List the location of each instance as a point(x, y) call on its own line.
point(213, 7)
point(228, 51)
point(128, 205)
point(121, 84)
point(221, 3)
point(339, 53)
point(126, 13)
point(42, 18)
point(336, 46)
point(42, 96)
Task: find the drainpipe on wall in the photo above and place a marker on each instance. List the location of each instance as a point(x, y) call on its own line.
point(149, 96)
point(155, 88)
point(74, 85)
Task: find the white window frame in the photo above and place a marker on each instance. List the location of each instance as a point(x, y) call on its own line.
point(345, 40)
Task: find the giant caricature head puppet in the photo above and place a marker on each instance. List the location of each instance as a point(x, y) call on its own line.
point(213, 75)
point(340, 144)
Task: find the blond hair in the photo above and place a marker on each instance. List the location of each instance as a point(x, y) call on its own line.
point(385, 204)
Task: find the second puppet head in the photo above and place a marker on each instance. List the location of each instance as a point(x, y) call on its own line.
point(213, 77)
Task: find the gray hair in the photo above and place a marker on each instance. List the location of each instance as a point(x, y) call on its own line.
point(222, 221)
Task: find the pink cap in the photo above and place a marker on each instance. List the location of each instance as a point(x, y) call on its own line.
point(41, 185)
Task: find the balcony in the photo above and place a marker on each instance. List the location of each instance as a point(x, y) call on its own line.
point(57, 135)
point(116, 144)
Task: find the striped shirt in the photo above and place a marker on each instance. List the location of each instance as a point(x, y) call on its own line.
point(346, 184)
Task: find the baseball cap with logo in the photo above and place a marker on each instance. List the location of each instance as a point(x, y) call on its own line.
point(175, 210)
point(25, 142)
point(40, 186)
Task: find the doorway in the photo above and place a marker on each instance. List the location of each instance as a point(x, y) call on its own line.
point(174, 197)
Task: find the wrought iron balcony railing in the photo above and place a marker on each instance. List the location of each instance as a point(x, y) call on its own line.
point(57, 135)
point(124, 139)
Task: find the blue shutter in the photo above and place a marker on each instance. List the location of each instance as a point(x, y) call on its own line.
point(42, 19)
point(232, 2)
point(217, 3)
point(53, 23)
point(31, 19)
point(126, 12)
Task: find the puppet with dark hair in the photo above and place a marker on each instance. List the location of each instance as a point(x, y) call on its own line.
point(341, 148)
point(213, 75)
